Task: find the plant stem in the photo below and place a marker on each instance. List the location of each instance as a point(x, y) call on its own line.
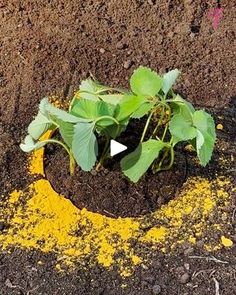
point(162, 160)
point(159, 122)
point(146, 126)
point(104, 154)
point(72, 102)
point(111, 89)
point(164, 106)
point(171, 160)
point(106, 147)
point(117, 131)
point(164, 133)
point(122, 91)
point(72, 164)
point(107, 117)
point(159, 167)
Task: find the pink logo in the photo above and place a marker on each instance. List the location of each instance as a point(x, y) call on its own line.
point(215, 15)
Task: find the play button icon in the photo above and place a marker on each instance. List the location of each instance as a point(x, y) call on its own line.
point(116, 148)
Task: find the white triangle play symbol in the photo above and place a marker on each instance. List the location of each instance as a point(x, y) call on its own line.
point(116, 148)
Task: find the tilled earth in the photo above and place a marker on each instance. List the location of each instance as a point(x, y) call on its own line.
point(46, 48)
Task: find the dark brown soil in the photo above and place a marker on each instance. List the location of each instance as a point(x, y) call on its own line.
point(20, 273)
point(47, 47)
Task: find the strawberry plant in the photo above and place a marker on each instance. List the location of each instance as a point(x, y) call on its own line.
point(102, 111)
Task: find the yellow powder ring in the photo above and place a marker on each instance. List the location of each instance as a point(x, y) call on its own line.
point(49, 222)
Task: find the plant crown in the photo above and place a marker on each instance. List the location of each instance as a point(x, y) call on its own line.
point(102, 111)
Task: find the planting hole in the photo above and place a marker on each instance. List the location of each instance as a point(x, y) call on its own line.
point(108, 191)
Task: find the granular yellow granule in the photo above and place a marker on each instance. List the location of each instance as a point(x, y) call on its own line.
point(49, 222)
point(226, 242)
point(36, 159)
point(14, 197)
point(125, 272)
point(36, 162)
point(219, 127)
point(136, 260)
point(155, 235)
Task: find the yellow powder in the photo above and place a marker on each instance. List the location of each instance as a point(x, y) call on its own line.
point(219, 127)
point(58, 267)
point(125, 272)
point(188, 210)
point(192, 240)
point(58, 102)
point(208, 205)
point(36, 162)
point(106, 252)
point(136, 260)
point(14, 197)
point(226, 242)
point(189, 148)
point(123, 286)
point(50, 223)
point(211, 248)
point(155, 235)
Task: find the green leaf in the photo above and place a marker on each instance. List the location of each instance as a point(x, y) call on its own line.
point(42, 106)
point(94, 110)
point(39, 126)
point(128, 105)
point(90, 89)
point(112, 130)
point(29, 144)
point(104, 122)
point(67, 132)
point(62, 115)
point(206, 135)
point(182, 107)
point(199, 140)
point(144, 81)
point(181, 128)
point(91, 110)
point(108, 131)
point(113, 99)
point(93, 90)
point(84, 145)
point(137, 163)
point(204, 122)
point(169, 80)
point(205, 151)
point(142, 110)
